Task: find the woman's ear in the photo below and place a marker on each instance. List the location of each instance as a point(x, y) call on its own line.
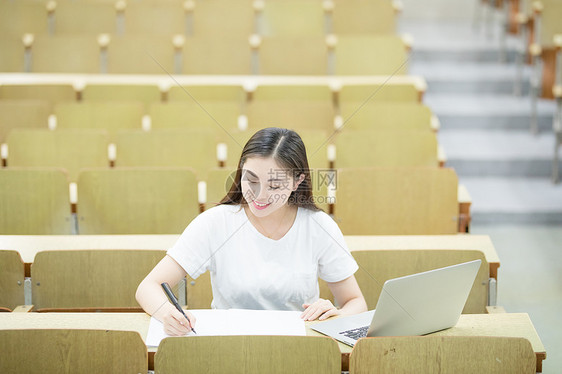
point(298, 182)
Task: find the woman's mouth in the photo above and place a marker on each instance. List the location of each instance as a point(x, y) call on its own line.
point(260, 206)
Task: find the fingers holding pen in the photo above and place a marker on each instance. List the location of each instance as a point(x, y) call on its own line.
point(176, 324)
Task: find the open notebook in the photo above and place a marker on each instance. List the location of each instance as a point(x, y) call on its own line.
point(235, 322)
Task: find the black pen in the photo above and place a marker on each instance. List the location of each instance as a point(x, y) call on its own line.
point(174, 301)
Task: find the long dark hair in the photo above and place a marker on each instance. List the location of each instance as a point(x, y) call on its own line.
point(287, 149)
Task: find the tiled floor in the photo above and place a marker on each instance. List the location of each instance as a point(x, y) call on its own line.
point(530, 279)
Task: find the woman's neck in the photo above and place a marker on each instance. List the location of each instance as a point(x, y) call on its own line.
point(275, 225)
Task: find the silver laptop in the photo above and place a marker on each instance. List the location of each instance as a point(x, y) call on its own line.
point(416, 304)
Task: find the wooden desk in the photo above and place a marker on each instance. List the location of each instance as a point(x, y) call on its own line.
point(502, 324)
point(29, 245)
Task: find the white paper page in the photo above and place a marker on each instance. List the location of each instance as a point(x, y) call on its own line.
point(208, 322)
point(235, 322)
point(265, 322)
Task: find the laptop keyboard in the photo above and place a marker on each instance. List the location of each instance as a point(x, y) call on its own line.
point(357, 333)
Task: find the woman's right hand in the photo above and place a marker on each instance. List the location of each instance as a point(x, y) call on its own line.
point(175, 324)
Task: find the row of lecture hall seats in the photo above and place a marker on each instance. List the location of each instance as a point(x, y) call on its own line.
point(540, 30)
point(125, 351)
point(56, 275)
point(199, 18)
point(53, 271)
point(399, 201)
point(199, 149)
point(401, 89)
point(334, 55)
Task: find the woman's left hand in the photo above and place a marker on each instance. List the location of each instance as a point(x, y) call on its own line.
point(320, 309)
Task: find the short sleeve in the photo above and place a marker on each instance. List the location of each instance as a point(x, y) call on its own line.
point(192, 251)
point(335, 261)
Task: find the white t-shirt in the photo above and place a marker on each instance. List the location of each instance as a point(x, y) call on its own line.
point(252, 271)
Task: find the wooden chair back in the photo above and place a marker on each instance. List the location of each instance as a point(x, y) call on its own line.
point(90, 280)
point(194, 148)
point(389, 92)
point(378, 266)
point(141, 54)
point(378, 115)
point(397, 201)
point(223, 18)
point(364, 17)
point(248, 355)
point(17, 114)
point(51, 93)
point(386, 148)
point(219, 181)
point(110, 116)
point(70, 53)
point(53, 351)
point(145, 94)
point(136, 200)
point(12, 276)
point(212, 115)
point(34, 202)
point(297, 115)
point(293, 56)
point(370, 55)
point(70, 149)
point(442, 354)
point(293, 18)
point(217, 55)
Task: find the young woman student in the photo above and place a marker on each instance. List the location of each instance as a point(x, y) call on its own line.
point(265, 244)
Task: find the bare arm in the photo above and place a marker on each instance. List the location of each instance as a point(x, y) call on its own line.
point(346, 293)
point(154, 301)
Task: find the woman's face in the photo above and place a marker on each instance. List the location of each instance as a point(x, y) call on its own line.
point(266, 186)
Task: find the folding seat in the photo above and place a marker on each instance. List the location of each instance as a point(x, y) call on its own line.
point(364, 17)
point(387, 115)
point(69, 149)
point(34, 201)
point(216, 56)
point(194, 148)
point(136, 200)
point(291, 114)
point(219, 116)
point(270, 354)
point(79, 350)
point(144, 93)
point(90, 280)
point(223, 18)
point(52, 93)
point(397, 201)
point(155, 18)
point(12, 57)
point(110, 116)
point(65, 54)
point(390, 148)
point(21, 17)
point(370, 55)
point(154, 54)
point(449, 353)
point(292, 56)
point(12, 278)
point(85, 18)
point(292, 18)
point(16, 114)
